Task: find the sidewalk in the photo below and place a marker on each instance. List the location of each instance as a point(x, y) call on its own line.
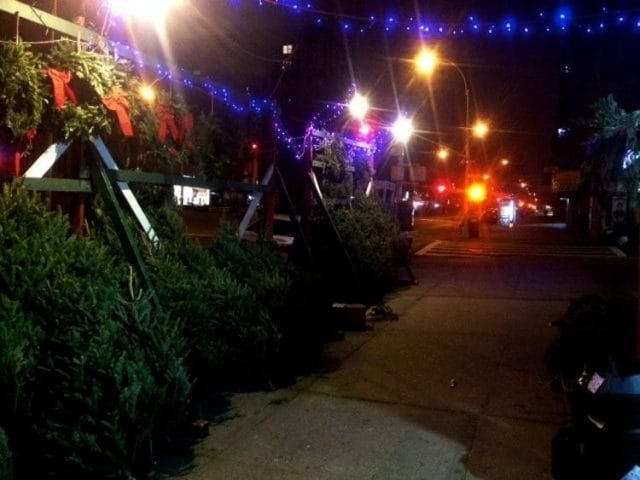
point(454, 389)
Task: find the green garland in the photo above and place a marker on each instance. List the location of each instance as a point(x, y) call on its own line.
point(26, 103)
point(97, 75)
point(23, 93)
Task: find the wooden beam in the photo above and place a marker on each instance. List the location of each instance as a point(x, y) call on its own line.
point(128, 195)
point(103, 184)
point(163, 179)
point(45, 161)
point(51, 22)
point(244, 224)
point(54, 184)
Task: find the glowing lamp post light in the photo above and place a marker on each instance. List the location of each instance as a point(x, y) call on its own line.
point(443, 154)
point(402, 129)
point(147, 93)
point(480, 129)
point(359, 106)
point(151, 10)
point(426, 61)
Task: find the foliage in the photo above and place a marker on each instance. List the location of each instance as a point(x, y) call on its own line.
point(89, 372)
point(337, 179)
point(372, 238)
point(99, 71)
point(83, 122)
point(22, 87)
point(256, 264)
point(614, 156)
point(594, 333)
point(209, 138)
point(226, 298)
point(5, 457)
point(218, 146)
point(345, 173)
point(93, 77)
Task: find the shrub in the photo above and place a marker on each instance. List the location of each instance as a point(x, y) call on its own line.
point(89, 372)
point(5, 457)
point(226, 298)
point(372, 238)
point(596, 333)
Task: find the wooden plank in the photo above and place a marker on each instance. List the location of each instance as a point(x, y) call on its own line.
point(164, 179)
point(54, 184)
point(135, 207)
point(51, 22)
point(45, 161)
point(103, 184)
point(244, 224)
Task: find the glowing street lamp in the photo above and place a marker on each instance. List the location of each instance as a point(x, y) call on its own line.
point(480, 129)
point(359, 106)
point(402, 129)
point(504, 162)
point(443, 153)
point(147, 93)
point(153, 11)
point(426, 61)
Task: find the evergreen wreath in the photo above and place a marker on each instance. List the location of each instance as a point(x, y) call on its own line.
point(23, 92)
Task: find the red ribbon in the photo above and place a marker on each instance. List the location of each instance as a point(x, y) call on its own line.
point(61, 88)
point(117, 102)
point(166, 114)
point(20, 148)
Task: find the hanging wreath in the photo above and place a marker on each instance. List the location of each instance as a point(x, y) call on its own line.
point(80, 81)
point(23, 92)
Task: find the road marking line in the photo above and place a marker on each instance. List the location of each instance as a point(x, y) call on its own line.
point(463, 249)
point(618, 252)
point(429, 247)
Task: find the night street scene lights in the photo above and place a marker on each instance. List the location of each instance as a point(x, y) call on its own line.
point(426, 62)
point(154, 11)
point(480, 129)
point(359, 106)
point(402, 129)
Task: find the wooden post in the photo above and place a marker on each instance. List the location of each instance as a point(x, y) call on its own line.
point(103, 184)
point(269, 212)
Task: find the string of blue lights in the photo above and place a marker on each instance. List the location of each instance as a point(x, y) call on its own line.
point(561, 20)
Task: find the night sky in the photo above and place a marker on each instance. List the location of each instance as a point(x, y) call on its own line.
point(526, 86)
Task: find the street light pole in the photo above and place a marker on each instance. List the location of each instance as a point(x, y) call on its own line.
point(426, 62)
point(467, 132)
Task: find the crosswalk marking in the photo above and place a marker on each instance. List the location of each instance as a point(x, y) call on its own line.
point(472, 249)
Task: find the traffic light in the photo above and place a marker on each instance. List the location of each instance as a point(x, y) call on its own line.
point(477, 192)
